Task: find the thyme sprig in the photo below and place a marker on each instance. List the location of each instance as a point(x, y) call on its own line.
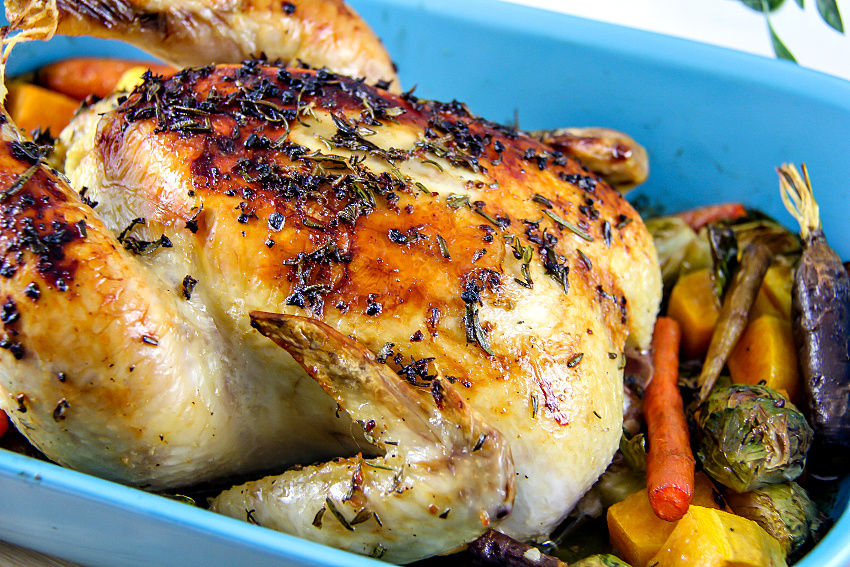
point(568, 225)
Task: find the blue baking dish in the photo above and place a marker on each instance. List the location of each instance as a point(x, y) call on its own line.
point(716, 123)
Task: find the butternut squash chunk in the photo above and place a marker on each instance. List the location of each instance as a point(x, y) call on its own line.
point(31, 106)
point(707, 537)
point(694, 305)
point(764, 306)
point(774, 296)
point(777, 284)
point(766, 353)
point(637, 533)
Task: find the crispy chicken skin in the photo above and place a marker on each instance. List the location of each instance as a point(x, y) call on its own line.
point(441, 243)
point(378, 506)
point(272, 266)
point(326, 33)
point(111, 366)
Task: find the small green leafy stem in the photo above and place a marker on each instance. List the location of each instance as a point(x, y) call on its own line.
point(828, 10)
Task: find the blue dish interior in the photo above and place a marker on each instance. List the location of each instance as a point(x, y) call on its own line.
point(716, 124)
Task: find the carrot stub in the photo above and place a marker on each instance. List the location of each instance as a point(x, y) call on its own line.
point(80, 77)
point(702, 216)
point(4, 423)
point(670, 462)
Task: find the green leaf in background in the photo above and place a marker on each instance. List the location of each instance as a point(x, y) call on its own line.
point(799, 3)
point(829, 12)
point(779, 48)
point(770, 5)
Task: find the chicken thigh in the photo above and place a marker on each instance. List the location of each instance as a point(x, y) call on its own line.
point(453, 299)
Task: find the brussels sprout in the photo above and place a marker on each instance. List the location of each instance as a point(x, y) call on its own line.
point(680, 249)
point(785, 511)
point(605, 560)
point(751, 437)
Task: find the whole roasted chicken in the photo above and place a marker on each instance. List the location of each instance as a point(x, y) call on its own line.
point(453, 299)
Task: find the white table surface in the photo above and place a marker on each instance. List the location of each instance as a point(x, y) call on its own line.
point(727, 23)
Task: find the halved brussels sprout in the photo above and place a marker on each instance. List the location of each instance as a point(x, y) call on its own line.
point(605, 560)
point(785, 511)
point(680, 249)
point(752, 436)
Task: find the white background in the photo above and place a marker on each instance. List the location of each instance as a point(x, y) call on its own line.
point(727, 23)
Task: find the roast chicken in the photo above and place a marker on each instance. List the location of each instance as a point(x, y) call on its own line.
point(249, 269)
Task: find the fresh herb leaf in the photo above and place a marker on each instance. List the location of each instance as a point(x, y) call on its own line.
point(762, 5)
point(337, 514)
point(19, 182)
point(474, 331)
point(829, 12)
point(569, 226)
point(779, 48)
point(444, 249)
point(574, 361)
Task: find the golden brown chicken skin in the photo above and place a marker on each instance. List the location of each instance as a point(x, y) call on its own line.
point(442, 243)
point(326, 33)
point(373, 239)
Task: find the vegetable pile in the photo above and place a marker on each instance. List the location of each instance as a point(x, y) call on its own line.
point(745, 411)
point(746, 407)
point(765, 348)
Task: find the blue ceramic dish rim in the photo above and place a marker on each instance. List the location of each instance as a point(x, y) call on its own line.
point(832, 551)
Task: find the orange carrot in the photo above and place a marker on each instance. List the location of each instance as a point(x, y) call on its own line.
point(670, 462)
point(80, 77)
point(701, 216)
point(4, 423)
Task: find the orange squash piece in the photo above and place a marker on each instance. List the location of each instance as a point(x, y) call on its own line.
point(764, 306)
point(766, 353)
point(713, 538)
point(637, 534)
point(694, 305)
point(31, 106)
point(777, 284)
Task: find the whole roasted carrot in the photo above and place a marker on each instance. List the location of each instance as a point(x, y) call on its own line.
point(702, 216)
point(670, 462)
point(734, 313)
point(80, 77)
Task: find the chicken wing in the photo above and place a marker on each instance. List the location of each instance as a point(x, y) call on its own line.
point(443, 476)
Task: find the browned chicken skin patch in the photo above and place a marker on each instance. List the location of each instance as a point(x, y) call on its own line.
point(442, 243)
point(288, 200)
